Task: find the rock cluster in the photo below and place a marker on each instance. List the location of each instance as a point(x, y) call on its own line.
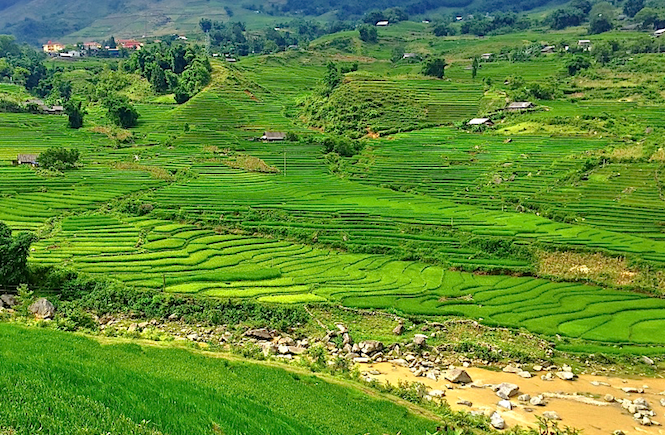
point(640, 410)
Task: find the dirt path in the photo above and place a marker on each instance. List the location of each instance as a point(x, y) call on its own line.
point(594, 417)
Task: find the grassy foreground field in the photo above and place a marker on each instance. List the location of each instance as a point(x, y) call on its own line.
point(50, 377)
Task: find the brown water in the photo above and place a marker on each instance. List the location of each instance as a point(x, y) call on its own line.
point(593, 419)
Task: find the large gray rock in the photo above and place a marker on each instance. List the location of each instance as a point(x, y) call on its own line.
point(538, 401)
point(551, 415)
point(261, 334)
point(370, 346)
point(458, 376)
point(8, 301)
point(497, 421)
point(420, 339)
point(566, 376)
point(399, 329)
point(506, 390)
point(42, 309)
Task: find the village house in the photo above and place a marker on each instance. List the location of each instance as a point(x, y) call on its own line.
point(486, 56)
point(481, 121)
point(129, 44)
point(92, 46)
point(53, 47)
point(26, 159)
point(520, 105)
point(585, 44)
point(658, 33)
point(71, 54)
point(410, 56)
point(382, 23)
point(272, 136)
point(548, 49)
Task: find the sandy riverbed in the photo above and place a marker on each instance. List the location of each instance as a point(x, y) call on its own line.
point(593, 419)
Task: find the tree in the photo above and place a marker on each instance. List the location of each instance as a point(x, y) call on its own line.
point(474, 67)
point(434, 67)
point(583, 5)
point(566, 17)
point(599, 24)
point(59, 159)
point(205, 24)
point(333, 77)
point(120, 111)
point(577, 64)
point(632, 7)
point(75, 113)
point(14, 256)
point(443, 29)
point(368, 33)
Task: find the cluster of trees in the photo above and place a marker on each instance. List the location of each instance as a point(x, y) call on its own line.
point(14, 252)
point(59, 159)
point(393, 15)
point(601, 15)
point(176, 68)
point(434, 67)
point(21, 64)
point(501, 22)
point(368, 33)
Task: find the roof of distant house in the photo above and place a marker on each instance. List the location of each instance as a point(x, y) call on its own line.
point(27, 158)
point(382, 23)
point(479, 121)
point(520, 105)
point(273, 135)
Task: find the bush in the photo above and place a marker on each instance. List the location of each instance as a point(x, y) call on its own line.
point(121, 112)
point(59, 159)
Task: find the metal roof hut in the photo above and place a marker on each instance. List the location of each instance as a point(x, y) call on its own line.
point(272, 136)
point(520, 105)
point(27, 159)
point(481, 121)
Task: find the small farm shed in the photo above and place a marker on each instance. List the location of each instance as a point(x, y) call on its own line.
point(26, 159)
point(547, 49)
point(486, 56)
point(272, 136)
point(382, 23)
point(520, 105)
point(584, 44)
point(658, 33)
point(481, 121)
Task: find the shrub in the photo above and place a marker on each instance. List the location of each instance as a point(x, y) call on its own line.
point(59, 159)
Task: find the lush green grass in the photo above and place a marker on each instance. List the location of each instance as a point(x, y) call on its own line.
point(59, 383)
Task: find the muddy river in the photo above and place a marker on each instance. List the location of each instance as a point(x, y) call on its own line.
point(586, 410)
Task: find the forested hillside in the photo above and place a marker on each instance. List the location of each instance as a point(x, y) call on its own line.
point(36, 21)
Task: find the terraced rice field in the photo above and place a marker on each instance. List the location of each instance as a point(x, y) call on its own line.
point(409, 192)
point(185, 259)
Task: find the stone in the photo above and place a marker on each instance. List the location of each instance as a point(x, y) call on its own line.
point(420, 339)
point(634, 390)
point(343, 329)
point(497, 421)
point(566, 375)
point(618, 432)
point(370, 346)
point(296, 350)
point(9, 301)
point(547, 377)
point(361, 360)
point(399, 329)
point(662, 402)
point(608, 398)
point(437, 393)
point(511, 369)
point(193, 337)
point(523, 397)
point(261, 334)
point(537, 368)
point(133, 327)
point(525, 375)
point(551, 415)
point(458, 376)
point(600, 384)
point(42, 309)
point(538, 401)
point(506, 390)
point(465, 403)
point(143, 325)
point(507, 404)
point(647, 360)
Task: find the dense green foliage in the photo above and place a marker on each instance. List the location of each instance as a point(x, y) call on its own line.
point(75, 113)
point(50, 378)
point(120, 111)
point(14, 252)
point(59, 159)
